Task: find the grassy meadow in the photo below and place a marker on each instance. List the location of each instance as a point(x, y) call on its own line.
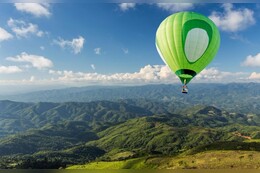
point(203, 160)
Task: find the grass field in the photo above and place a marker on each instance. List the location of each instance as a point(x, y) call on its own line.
point(252, 140)
point(211, 160)
point(204, 160)
point(137, 163)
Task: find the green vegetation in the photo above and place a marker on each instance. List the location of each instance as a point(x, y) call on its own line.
point(137, 163)
point(203, 160)
point(17, 117)
point(158, 135)
point(125, 134)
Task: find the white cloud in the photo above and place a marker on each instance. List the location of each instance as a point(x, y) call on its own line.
point(233, 20)
point(174, 7)
point(55, 72)
point(23, 29)
point(252, 61)
point(214, 75)
point(147, 74)
point(42, 47)
point(254, 75)
point(126, 6)
point(36, 9)
point(32, 79)
point(211, 73)
point(97, 51)
point(126, 51)
point(40, 33)
point(9, 69)
point(76, 44)
point(241, 38)
point(4, 35)
point(93, 66)
point(36, 61)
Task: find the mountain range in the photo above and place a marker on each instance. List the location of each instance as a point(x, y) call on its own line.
point(53, 135)
point(239, 97)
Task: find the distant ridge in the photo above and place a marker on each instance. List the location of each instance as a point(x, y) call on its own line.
point(238, 97)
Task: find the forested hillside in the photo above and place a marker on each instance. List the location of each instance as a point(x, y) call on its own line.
point(60, 134)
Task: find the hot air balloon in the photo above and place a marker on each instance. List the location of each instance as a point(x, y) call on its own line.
point(187, 42)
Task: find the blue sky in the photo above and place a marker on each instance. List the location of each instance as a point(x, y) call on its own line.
point(53, 45)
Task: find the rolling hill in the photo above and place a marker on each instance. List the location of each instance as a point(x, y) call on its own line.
point(60, 134)
point(17, 117)
point(205, 160)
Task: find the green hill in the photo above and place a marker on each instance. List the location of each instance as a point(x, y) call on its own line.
point(52, 138)
point(60, 134)
point(17, 117)
point(204, 160)
point(170, 135)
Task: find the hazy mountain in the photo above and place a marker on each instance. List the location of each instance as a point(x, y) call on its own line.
point(239, 97)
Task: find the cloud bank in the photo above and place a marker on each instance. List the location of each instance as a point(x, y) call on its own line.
point(254, 75)
point(149, 74)
point(146, 75)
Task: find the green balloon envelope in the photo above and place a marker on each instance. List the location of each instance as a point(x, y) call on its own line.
point(187, 42)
